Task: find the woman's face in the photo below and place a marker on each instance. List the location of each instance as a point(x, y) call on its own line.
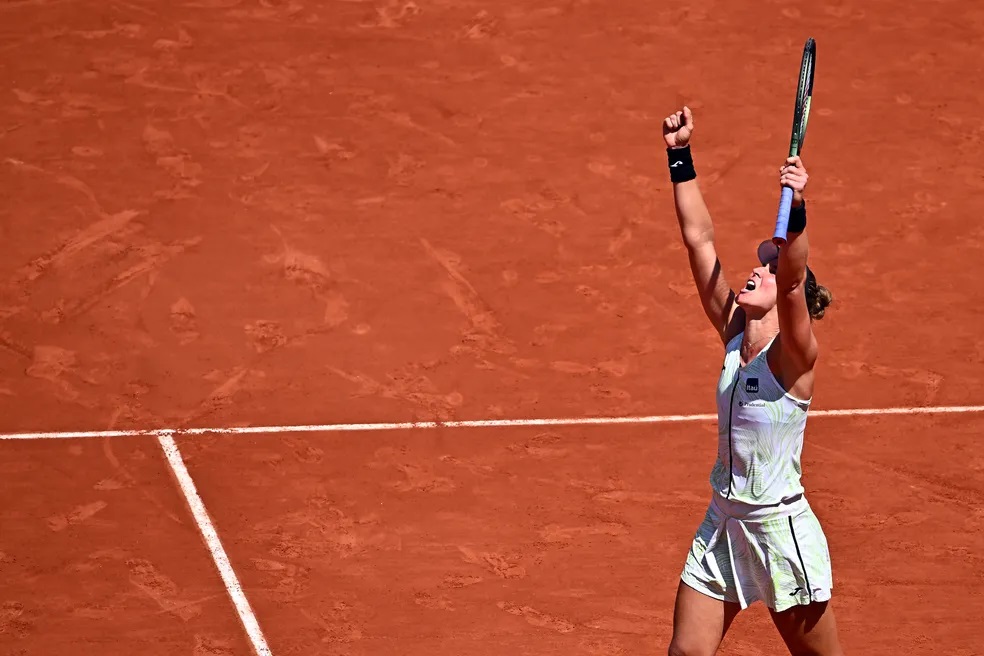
point(758, 294)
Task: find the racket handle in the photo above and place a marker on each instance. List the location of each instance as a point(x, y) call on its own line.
point(782, 219)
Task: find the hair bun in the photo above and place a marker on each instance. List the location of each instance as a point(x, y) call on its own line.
point(818, 299)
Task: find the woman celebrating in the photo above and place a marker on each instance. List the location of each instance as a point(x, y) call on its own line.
point(759, 540)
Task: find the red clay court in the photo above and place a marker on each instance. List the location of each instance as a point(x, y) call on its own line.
point(235, 213)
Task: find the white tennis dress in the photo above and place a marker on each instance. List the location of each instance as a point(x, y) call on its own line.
point(759, 540)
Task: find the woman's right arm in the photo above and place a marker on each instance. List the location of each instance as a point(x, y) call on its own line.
point(696, 227)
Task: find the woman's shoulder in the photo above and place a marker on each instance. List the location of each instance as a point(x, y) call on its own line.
point(734, 342)
point(735, 327)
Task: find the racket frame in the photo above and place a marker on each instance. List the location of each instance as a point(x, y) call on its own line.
point(801, 117)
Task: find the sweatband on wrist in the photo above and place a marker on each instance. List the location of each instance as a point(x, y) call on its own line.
point(681, 164)
point(797, 218)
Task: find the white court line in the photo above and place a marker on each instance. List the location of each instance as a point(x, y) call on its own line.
point(246, 616)
point(475, 423)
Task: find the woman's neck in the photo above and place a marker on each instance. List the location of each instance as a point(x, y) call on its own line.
point(757, 334)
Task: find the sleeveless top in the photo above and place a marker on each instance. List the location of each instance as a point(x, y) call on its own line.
point(760, 432)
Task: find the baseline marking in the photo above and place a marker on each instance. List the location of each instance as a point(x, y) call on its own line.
point(475, 423)
point(211, 537)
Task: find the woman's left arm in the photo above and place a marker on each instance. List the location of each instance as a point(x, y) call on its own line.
point(799, 344)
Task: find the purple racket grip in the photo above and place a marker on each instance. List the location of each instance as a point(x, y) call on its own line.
point(782, 219)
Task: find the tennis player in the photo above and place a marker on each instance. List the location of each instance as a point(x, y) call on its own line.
point(759, 540)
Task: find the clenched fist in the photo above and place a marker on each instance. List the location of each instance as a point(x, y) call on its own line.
point(678, 127)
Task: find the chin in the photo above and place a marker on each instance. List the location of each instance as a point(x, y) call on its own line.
point(753, 303)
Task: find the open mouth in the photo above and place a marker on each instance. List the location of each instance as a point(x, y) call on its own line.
point(750, 285)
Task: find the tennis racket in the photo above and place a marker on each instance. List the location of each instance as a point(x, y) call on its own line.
point(801, 115)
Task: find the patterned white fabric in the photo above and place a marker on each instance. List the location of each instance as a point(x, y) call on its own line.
point(774, 554)
point(760, 432)
point(759, 540)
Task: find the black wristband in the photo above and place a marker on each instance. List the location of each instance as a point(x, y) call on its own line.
point(681, 164)
point(797, 219)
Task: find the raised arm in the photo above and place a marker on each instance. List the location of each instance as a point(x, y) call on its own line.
point(716, 295)
point(799, 344)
